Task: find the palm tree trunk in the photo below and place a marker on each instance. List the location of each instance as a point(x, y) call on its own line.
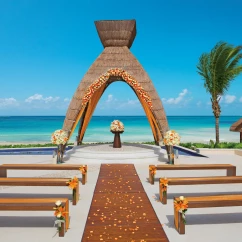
point(217, 129)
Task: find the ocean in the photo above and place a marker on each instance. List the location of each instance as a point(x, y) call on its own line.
point(34, 129)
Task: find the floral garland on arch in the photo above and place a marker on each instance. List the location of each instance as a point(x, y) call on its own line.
point(59, 137)
point(171, 138)
point(181, 205)
point(117, 125)
point(125, 76)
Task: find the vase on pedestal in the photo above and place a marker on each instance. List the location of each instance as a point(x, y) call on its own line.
point(59, 154)
point(117, 140)
point(170, 154)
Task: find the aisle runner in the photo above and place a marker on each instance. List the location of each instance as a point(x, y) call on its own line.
point(120, 209)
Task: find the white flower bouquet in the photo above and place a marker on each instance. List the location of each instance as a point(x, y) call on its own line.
point(171, 138)
point(59, 137)
point(116, 125)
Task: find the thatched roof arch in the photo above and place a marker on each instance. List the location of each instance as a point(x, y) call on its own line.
point(115, 62)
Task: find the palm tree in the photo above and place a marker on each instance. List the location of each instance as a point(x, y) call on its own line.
point(218, 68)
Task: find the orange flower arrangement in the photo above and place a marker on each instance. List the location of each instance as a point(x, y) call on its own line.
point(60, 213)
point(83, 170)
point(152, 170)
point(163, 185)
point(73, 183)
point(181, 205)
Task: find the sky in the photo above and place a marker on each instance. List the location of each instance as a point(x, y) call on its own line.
point(46, 47)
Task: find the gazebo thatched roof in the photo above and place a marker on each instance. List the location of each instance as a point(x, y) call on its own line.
point(237, 126)
point(116, 32)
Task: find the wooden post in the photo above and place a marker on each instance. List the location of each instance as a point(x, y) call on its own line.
point(179, 225)
point(163, 196)
point(62, 230)
point(84, 176)
point(231, 171)
point(3, 172)
point(75, 195)
point(67, 216)
point(240, 137)
point(151, 177)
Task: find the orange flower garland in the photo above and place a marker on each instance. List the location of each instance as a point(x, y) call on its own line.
point(181, 206)
point(163, 185)
point(125, 76)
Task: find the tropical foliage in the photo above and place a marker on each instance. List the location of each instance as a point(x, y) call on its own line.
point(218, 68)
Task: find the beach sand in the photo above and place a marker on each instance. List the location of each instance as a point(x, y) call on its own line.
point(206, 224)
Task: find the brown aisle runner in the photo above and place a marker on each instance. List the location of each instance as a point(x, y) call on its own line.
point(120, 209)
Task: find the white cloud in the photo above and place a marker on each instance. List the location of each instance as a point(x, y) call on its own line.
point(129, 104)
point(39, 97)
point(4, 102)
point(177, 99)
point(66, 99)
point(240, 99)
point(229, 98)
point(110, 98)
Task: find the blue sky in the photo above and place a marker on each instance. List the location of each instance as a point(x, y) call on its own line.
point(46, 47)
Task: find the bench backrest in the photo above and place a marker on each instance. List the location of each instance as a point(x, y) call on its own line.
point(204, 180)
point(214, 201)
point(194, 167)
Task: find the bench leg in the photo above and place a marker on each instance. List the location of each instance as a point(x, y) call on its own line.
point(62, 230)
point(151, 177)
point(3, 172)
point(163, 196)
point(67, 218)
point(75, 195)
point(231, 171)
point(84, 178)
point(179, 225)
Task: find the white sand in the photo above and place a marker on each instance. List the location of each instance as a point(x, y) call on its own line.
point(206, 224)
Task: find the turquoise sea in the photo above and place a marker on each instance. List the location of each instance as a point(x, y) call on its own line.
point(33, 129)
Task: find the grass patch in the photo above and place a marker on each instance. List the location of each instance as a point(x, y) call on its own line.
point(212, 145)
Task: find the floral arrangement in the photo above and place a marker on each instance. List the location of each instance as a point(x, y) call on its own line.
point(73, 183)
point(59, 137)
point(163, 185)
point(152, 170)
point(116, 125)
point(171, 138)
point(181, 205)
point(60, 213)
point(83, 170)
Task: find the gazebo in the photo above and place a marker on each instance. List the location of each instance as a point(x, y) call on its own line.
point(115, 63)
point(237, 127)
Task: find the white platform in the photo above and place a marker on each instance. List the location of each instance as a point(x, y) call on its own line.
point(105, 153)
